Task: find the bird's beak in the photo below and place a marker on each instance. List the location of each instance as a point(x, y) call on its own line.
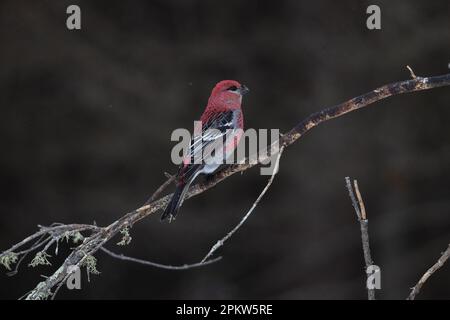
point(243, 90)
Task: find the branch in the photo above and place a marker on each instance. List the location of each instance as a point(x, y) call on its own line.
point(364, 225)
point(157, 193)
point(158, 265)
point(230, 234)
point(100, 236)
point(441, 261)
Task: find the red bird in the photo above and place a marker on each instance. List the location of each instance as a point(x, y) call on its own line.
point(222, 118)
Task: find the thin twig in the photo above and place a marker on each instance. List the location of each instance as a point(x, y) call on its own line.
point(364, 226)
point(38, 243)
point(157, 193)
point(411, 72)
point(222, 241)
point(159, 265)
point(441, 261)
point(360, 201)
point(47, 230)
point(353, 198)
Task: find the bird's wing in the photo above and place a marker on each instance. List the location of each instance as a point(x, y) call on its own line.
point(222, 120)
point(218, 126)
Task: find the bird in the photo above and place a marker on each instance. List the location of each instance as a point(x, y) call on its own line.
point(222, 124)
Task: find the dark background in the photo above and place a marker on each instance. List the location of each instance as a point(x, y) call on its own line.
point(85, 125)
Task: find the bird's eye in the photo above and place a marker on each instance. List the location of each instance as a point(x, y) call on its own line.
point(232, 88)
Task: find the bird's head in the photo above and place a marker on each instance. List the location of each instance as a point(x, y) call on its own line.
point(229, 93)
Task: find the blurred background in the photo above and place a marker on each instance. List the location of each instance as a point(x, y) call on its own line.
point(85, 125)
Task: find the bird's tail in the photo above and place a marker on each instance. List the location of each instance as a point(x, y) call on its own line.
point(179, 194)
point(176, 201)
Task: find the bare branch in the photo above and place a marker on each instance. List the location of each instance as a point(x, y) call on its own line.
point(158, 265)
point(360, 201)
point(441, 261)
point(364, 225)
point(230, 234)
point(353, 198)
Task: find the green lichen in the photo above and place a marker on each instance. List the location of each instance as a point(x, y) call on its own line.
point(40, 259)
point(90, 262)
point(126, 238)
point(8, 259)
point(75, 236)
